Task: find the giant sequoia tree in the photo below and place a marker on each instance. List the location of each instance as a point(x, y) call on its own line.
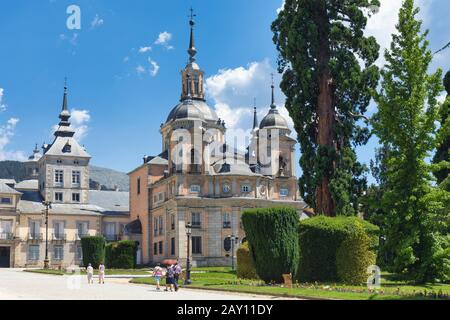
point(405, 124)
point(328, 73)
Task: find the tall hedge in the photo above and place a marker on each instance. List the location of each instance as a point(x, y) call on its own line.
point(320, 239)
point(121, 255)
point(93, 250)
point(272, 234)
point(245, 265)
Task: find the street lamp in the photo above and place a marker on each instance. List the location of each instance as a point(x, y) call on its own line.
point(233, 240)
point(188, 281)
point(47, 205)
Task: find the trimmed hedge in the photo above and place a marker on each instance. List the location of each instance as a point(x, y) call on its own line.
point(93, 250)
point(121, 255)
point(320, 239)
point(272, 234)
point(245, 265)
point(353, 258)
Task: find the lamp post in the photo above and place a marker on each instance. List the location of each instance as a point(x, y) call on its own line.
point(188, 261)
point(47, 205)
point(233, 239)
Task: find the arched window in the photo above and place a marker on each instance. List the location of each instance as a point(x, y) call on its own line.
point(227, 244)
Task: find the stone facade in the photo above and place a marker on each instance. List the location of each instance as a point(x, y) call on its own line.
point(200, 180)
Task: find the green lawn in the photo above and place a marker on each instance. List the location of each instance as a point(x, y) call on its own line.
point(225, 280)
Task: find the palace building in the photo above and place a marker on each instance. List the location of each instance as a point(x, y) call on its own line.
point(199, 179)
point(59, 175)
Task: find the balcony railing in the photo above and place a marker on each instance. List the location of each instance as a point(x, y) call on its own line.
point(59, 237)
point(35, 236)
point(112, 237)
point(78, 236)
point(196, 224)
point(227, 225)
point(6, 236)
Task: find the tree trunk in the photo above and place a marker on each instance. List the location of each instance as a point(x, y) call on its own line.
point(325, 137)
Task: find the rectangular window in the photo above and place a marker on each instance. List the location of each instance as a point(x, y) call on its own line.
point(58, 253)
point(246, 188)
point(76, 178)
point(155, 226)
point(75, 197)
point(59, 177)
point(172, 222)
point(284, 192)
point(79, 253)
point(172, 246)
point(6, 200)
point(58, 197)
point(161, 225)
point(196, 220)
point(82, 229)
point(5, 230)
point(35, 230)
point(110, 231)
point(226, 221)
point(160, 247)
point(195, 188)
point(161, 197)
point(196, 245)
point(58, 230)
point(155, 249)
point(33, 252)
point(139, 185)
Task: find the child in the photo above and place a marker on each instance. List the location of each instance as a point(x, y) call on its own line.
point(90, 274)
point(169, 278)
point(157, 274)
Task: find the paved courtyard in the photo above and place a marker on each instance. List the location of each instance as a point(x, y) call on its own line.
point(16, 284)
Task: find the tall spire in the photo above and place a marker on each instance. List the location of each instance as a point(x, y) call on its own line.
point(64, 129)
point(255, 117)
point(273, 105)
point(192, 51)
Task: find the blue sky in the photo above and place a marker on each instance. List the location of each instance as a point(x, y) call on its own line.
point(121, 90)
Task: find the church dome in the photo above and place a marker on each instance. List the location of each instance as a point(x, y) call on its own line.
point(274, 120)
point(193, 109)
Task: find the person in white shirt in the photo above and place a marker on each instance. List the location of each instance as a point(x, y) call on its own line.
point(90, 274)
point(101, 273)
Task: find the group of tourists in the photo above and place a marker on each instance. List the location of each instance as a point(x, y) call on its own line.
point(171, 274)
point(101, 273)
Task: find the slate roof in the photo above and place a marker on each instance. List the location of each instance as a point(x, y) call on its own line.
point(27, 185)
point(58, 148)
point(112, 202)
point(5, 189)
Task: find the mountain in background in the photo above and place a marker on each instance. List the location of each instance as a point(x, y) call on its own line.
point(100, 178)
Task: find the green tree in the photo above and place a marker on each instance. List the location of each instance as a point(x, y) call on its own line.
point(328, 74)
point(405, 124)
point(441, 159)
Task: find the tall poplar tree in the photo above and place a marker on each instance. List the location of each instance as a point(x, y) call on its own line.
point(328, 73)
point(441, 159)
point(405, 124)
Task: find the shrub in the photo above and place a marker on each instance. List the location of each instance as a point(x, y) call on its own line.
point(353, 258)
point(245, 265)
point(121, 255)
point(93, 250)
point(273, 238)
point(320, 238)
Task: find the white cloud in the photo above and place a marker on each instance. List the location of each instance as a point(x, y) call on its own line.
point(233, 91)
point(140, 69)
point(97, 22)
point(145, 49)
point(164, 39)
point(281, 7)
point(154, 67)
point(2, 105)
point(126, 59)
point(7, 131)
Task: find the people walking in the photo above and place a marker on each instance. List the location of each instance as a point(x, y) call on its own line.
point(169, 278)
point(101, 273)
point(176, 274)
point(90, 274)
point(157, 274)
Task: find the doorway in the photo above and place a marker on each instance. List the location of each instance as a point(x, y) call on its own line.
point(5, 253)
